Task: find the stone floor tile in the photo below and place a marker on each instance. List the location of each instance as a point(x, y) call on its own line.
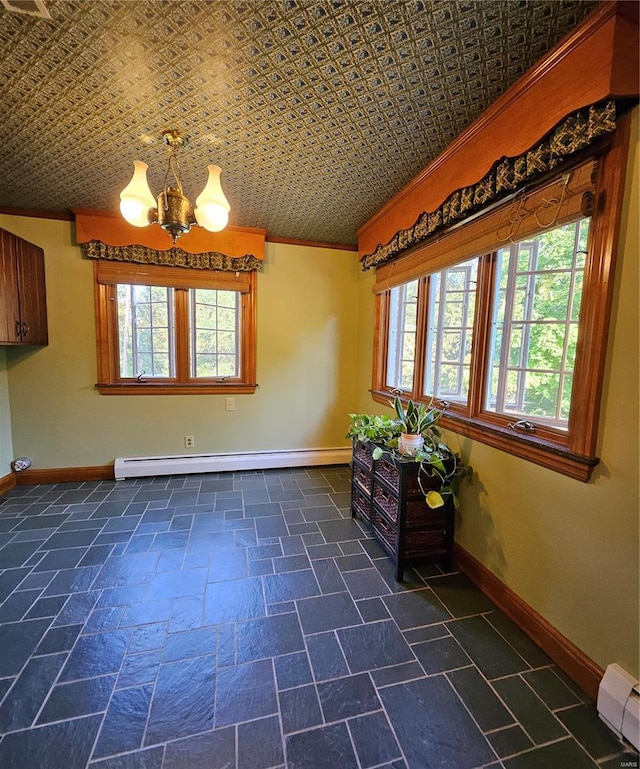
point(245, 621)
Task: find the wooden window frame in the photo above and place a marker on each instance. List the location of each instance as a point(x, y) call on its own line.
point(571, 452)
point(106, 277)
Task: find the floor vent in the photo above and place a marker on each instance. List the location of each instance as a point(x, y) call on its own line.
point(137, 467)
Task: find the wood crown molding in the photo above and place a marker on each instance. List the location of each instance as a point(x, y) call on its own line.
point(595, 62)
point(567, 656)
point(311, 243)
point(35, 214)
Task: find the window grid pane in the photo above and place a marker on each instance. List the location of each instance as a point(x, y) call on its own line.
point(535, 323)
point(214, 330)
point(145, 331)
point(401, 349)
point(452, 297)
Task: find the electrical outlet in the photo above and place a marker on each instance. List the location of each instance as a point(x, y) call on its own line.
point(229, 404)
point(189, 442)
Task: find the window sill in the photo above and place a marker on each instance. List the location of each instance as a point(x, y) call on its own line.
point(162, 388)
point(534, 449)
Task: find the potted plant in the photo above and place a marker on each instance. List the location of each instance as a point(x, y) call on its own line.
point(438, 463)
point(378, 428)
point(415, 422)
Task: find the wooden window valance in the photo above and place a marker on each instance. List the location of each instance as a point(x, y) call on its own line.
point(508, 175)
point(107, 236)
point(553, 204)
point(173, 257)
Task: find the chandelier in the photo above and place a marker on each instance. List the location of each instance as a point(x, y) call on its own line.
point(172, 209)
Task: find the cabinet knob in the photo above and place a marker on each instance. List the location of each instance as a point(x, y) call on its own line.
point(25, 328)
point(18, 329)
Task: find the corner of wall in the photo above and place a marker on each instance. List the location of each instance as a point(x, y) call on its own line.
point(6, 439)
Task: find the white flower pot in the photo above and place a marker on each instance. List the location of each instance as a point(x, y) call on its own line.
point(408, 443)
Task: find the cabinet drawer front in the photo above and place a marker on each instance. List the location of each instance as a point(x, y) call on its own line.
point(408, 474)
point(395, 477)
point(360, 503)
point(386, 470)
point(416, 511)
point(424, 542)
point(361, 478)
point(385, 500)
point(384, 530)
point(362, 452)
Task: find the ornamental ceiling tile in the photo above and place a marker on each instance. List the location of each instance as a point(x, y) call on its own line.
point(318, 111)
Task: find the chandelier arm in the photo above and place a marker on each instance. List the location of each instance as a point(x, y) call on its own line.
point(174, 168)
point(172, 210)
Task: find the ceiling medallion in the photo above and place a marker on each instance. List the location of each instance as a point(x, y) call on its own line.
point(172, 209)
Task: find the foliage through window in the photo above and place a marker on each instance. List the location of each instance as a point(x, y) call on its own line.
point(164, 330)
point(214, 333)
point(452, 295)
point(505, 317)
point(146, 331)
point(537, 290)
point(402, 336)
point(535, 324)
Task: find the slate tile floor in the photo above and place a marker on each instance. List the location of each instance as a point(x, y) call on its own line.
point(244, 621)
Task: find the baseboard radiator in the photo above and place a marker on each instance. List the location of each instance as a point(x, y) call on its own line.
point(619, 704)
point(138, 467)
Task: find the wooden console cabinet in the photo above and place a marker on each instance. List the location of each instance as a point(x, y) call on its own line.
point(386, 494)
point(23, 303)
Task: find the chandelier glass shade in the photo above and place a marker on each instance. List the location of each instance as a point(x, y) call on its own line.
point(172, 210)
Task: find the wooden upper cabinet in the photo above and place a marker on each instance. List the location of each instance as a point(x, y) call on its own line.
point(23, 304)
point(9, 307)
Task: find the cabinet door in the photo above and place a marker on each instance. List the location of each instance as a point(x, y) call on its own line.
point(31, 292)
point(9, 307)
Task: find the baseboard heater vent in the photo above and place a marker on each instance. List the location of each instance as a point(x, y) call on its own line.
point(619, 704)
point(139, 467)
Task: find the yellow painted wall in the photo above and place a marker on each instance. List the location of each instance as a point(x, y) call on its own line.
point(365, 404)
point(307, 332)
point(6, 442)
point(569, 549)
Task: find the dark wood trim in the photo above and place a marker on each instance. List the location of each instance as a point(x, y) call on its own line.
point(311, 243)
point(597, 298)
point(596, 61)
point(181, 388)
point(567, 656)
point(7, 482)
point(107, 343)
point(573, 452)
point(553, 456)
point(64, 475)
point(34, 213)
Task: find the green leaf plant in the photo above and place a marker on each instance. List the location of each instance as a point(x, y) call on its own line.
point(438, 463)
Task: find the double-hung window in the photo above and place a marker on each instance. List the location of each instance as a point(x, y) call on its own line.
point(504, 318)
point(534, 325)
point(451, 311)
point(174, 330)
point(403, 311)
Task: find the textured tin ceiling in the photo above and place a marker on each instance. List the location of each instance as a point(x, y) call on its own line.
point(318, 111)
